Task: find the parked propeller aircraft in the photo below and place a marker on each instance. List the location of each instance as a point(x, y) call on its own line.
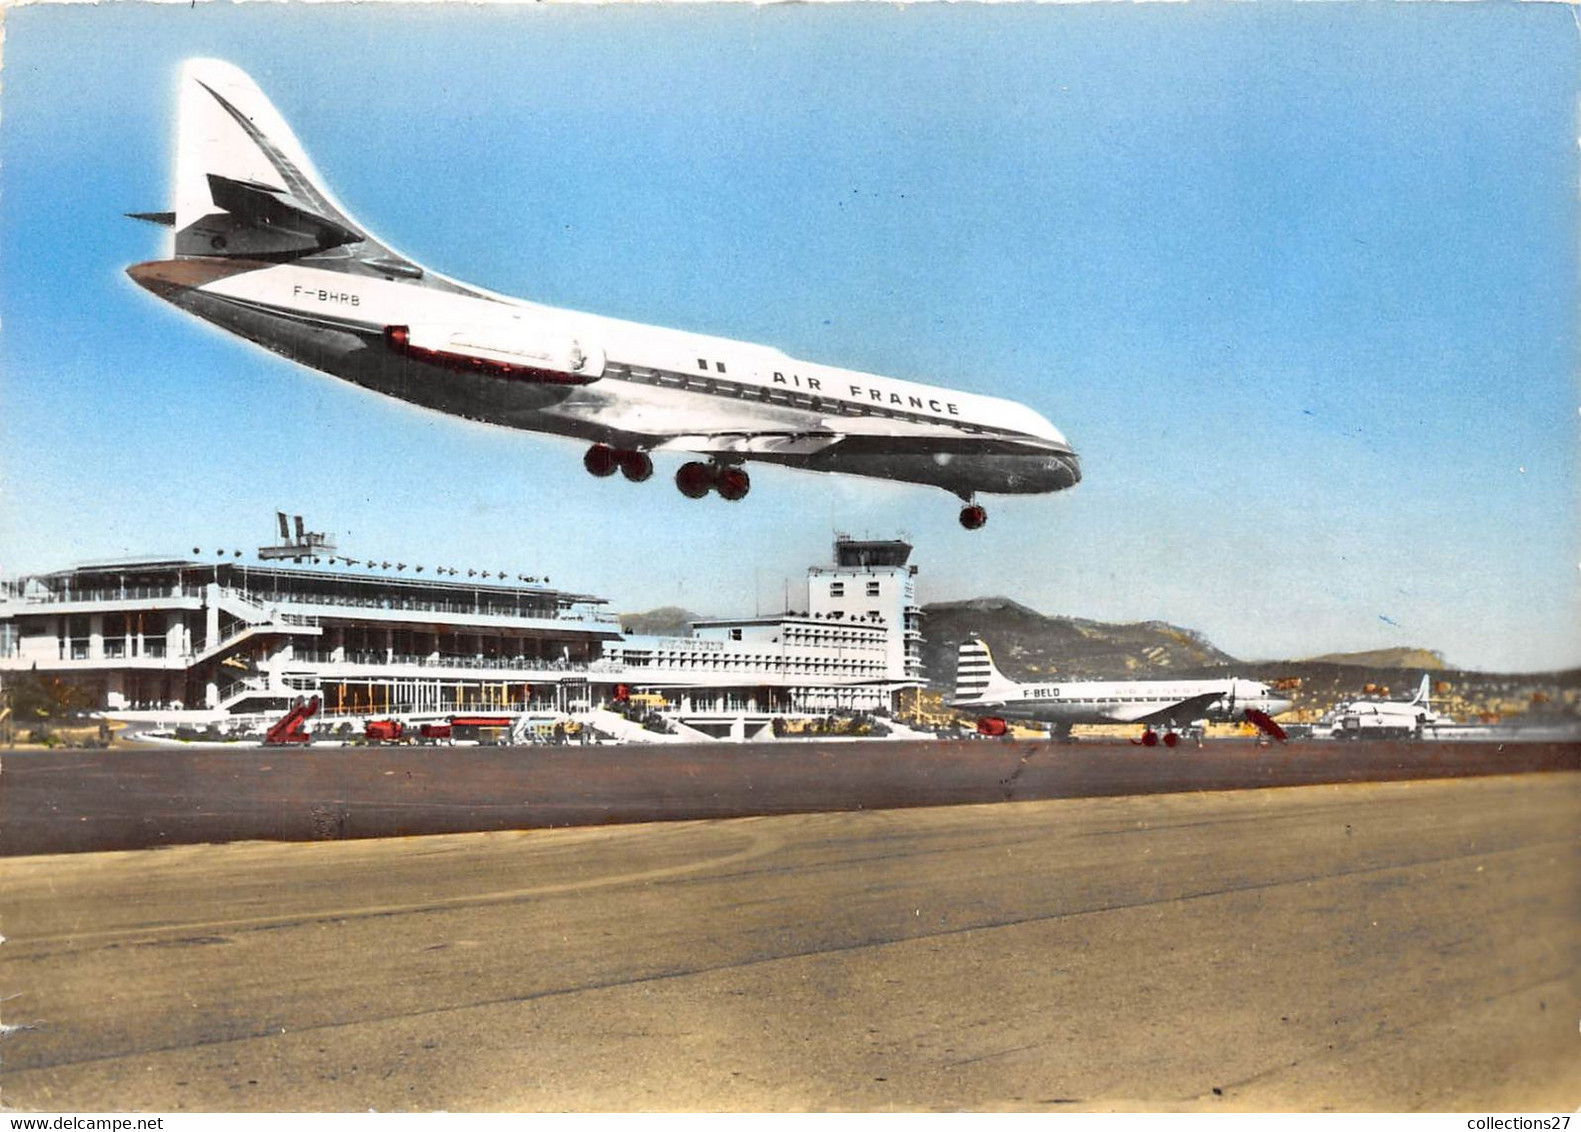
point(260, 248)
point(1170, 704)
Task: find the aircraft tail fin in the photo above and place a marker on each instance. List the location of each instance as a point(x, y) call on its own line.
point(1423, 691)
point(244, 186)
point(976, 676)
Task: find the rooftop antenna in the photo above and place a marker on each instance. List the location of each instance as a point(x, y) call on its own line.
point(304, 544)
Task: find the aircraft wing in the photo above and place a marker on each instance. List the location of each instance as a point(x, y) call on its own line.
point(740, 428)
point(745, 443)
point(1181, 711)
point(754, 430)
point(654, 421)
point(907, 439)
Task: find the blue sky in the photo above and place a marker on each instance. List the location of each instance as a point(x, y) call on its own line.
point(1299, 282)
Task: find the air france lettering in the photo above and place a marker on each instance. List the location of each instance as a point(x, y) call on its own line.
point(908, 402)
point(867, 392)
point(796, 380)
point(298, 292)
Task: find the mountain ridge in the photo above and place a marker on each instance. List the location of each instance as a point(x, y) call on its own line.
point(1028, 645)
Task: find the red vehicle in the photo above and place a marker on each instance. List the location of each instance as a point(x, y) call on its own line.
point(383, 731)
point(433, 733)
point(290, 728)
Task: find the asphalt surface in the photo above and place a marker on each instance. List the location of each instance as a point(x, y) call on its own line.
point(1375, 946)
point(124, 798)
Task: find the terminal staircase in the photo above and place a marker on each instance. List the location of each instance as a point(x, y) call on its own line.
point(618, 727)
point(257, 621)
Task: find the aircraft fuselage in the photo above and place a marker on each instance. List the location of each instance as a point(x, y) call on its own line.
point(1180, 702)
point(514, 363)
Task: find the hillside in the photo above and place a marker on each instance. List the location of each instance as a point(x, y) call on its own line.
point(1028, 645)
point(1417, 659)
point(666, 621)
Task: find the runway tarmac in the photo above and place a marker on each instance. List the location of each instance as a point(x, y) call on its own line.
point(1374, 946)
point(124, 798)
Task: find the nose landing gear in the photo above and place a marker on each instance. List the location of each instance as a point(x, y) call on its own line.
point(973, 516)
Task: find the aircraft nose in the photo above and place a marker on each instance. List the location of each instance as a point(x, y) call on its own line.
point(1278, 705)
point(1062, 470)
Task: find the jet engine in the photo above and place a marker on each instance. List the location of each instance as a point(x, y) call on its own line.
point(514, 350)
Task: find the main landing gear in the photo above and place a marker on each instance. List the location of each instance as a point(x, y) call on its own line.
point(1170, 737)
point(696, 479)
point(602, 460)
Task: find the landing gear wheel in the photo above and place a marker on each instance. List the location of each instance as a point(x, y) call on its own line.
point(1149, 738)
point(601, 460)
point(694, 479)
point(636, 466)
point(1171, 739)
point(733, 483)
point(973, 516)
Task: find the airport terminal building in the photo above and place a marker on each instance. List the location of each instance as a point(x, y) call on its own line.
point(163, 637)
point(183, 641)
point(855, 648)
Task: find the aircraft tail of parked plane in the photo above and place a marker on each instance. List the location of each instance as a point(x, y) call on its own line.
point(261, 248)
point(980, 687)
point(977, 677)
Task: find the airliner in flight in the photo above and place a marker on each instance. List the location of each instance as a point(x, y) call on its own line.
point(260, 248)
point(1171, 704)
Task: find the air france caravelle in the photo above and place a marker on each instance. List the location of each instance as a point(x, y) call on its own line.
point(261, 249)
point(1171, 704)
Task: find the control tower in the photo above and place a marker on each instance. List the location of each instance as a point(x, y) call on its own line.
point(871, 581)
